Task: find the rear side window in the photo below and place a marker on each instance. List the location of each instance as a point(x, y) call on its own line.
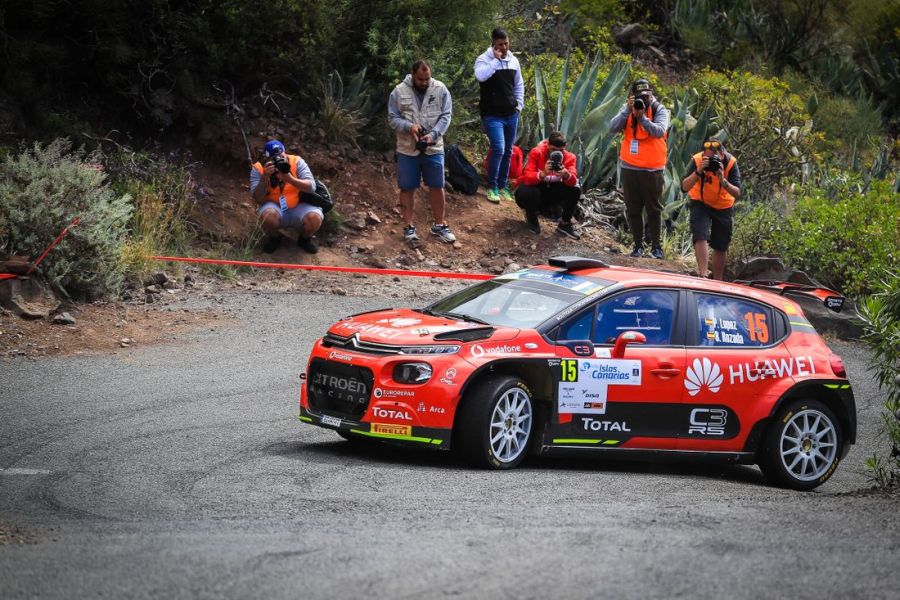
point(651, 312)
point(728, 322)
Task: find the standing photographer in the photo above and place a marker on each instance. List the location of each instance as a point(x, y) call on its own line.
point(276, 187)
point(550, 184)
point(713, 182)
point(419, 111)
point(642, 158)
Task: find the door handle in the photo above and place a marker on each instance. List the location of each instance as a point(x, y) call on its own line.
point(665, 372)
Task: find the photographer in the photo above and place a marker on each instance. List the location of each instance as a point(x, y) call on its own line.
point(713, 182)
point(550, 184)
point(642, 158)
point(419, 111)
point(276, 187)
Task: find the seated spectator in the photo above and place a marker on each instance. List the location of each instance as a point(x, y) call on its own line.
point(549, 183)
point(276, 186)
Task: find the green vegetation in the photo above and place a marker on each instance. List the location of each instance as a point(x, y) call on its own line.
point(881, 315)
point(41, 191)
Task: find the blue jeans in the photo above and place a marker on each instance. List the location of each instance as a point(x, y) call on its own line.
point(501, 132)
point(411, 170)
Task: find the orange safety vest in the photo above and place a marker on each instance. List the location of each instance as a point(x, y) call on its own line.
point(649, 152)
point(713, 193)
point(290, 193)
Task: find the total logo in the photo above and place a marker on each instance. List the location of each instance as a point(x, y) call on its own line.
point(597, 425)
point(478, 350)
point(703, 373)
point(387, 413)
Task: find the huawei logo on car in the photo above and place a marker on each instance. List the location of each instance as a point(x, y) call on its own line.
point(703, 373)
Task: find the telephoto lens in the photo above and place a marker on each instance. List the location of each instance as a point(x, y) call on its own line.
point(556, 160)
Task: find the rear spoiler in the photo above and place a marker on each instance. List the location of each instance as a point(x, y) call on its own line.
point(830, 298)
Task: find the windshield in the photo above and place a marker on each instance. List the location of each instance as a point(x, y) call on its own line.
point(521, 299)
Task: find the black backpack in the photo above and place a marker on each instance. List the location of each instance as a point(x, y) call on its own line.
point(460, 172)
point(321, 197)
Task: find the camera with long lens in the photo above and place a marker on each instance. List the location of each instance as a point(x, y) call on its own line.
point(714, 164)
point(556, 160)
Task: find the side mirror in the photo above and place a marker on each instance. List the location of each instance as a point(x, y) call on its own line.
point(625, 338)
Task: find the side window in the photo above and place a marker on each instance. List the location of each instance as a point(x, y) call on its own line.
point(578, 328)
point(727, 322)
point(651, 312)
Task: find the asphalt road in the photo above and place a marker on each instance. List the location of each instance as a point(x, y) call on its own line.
point(181, 471)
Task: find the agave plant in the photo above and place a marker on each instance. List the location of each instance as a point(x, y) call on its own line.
point(583, 116)
point(345, 109)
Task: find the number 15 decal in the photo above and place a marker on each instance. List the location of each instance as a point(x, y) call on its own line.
point(569, 370)
point(756, 326)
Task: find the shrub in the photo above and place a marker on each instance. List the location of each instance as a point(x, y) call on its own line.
point(881, 323)
point(41, 191)
point(847, 243)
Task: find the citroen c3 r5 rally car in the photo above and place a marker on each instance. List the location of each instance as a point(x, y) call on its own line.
point(578, 355)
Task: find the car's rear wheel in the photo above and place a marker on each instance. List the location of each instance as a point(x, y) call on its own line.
point(803, 445)
point(495, 423)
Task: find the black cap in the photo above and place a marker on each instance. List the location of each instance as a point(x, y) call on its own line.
point(640, 86)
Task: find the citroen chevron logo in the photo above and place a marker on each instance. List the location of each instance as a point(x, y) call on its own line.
point(703, 373)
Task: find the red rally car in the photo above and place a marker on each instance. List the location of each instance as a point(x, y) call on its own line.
point(579, 355)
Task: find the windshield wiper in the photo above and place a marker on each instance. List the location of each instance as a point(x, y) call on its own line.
point(463, 317)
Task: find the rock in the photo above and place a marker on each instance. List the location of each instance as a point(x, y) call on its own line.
point(153, 289)
point(64, 319)
point(846, 324)
point(170, 285)
point(17, 265)
point(356, 222)
point(27, 298)
point(158, 278)
point(446, 264)
point(484, 262)
point(339, 291)
point(761, 268)
point(419, 255)
point(374, 261)
point(802, 278)
point(149, 298)
point(372, 218)
point(497, 269)
point(629, 35)
point(457, 245)
point(405, 259)
point(188, 278)
point(512, 268)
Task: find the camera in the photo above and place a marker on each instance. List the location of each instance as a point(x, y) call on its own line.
point(556, 160)
point(715, 163)
point(639, 104)
point(281, 164)
point(421, 143)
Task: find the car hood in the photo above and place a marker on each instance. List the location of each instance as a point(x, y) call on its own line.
point(408, 327)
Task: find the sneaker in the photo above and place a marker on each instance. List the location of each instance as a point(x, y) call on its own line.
point(493, 195)
point(270, 243)
point(505, 195)
point(307, 245)
point(657, 253)
point(534, 225)
point(409, 234)
point(568, 229)
point(638, 252)
point(443, 232)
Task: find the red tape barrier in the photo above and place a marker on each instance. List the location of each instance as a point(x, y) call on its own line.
point(266, 265)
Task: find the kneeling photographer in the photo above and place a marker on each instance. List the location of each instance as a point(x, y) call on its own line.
point(282, 187)
point(713, 182)
point(549, 185)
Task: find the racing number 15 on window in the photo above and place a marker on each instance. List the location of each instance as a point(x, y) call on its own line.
point(756, 325)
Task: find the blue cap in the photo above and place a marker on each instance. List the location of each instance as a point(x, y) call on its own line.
point(274, 148)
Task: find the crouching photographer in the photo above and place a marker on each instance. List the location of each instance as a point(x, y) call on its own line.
point(713, 183)
point(549, 185)
point(283, 186)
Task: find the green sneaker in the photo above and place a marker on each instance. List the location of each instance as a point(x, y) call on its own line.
point(506, 195)
point(493, 195)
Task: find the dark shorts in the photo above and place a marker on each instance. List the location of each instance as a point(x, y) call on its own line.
point(702, 216)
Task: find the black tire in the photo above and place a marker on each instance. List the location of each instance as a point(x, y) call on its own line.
point(819, 445)
point(474, 423)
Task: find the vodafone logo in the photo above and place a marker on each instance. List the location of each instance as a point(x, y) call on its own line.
point(478, 350)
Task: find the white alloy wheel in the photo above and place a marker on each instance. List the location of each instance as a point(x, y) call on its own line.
point(808, 445)
point(510, 425)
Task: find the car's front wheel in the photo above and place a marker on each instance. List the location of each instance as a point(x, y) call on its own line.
point(803, 445)
point(495, 422)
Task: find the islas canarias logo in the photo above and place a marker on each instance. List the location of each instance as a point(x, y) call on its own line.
point(703, 373)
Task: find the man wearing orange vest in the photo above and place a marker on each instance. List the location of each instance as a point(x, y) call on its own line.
point(276, 187)
point(642, 159)
point(713, 182)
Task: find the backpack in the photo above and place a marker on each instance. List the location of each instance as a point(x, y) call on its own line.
point(460, 172)
point(321, 197)
point(516, 164)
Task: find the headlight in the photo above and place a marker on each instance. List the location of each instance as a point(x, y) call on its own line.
point(412, 373)
point(429, 349)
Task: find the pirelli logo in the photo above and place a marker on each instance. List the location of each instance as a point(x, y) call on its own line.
point(387, 429)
